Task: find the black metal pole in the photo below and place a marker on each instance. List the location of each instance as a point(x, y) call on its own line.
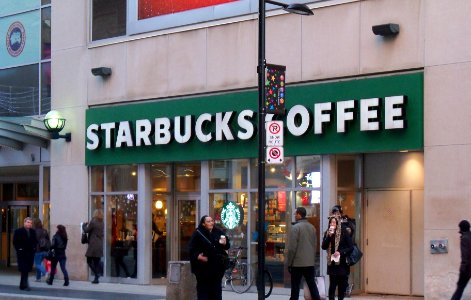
point(261, 150)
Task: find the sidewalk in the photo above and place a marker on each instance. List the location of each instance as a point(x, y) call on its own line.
point(117, 291)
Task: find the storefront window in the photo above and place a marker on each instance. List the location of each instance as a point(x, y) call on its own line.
point(97, 179)
point(188, 177)
point(228, 174)
point(121, 178)
point(279, 176)
point(45, 88)
point(121, 233)
point(308, 171)
point(19, 88)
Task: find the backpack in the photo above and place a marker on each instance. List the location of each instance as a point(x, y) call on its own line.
point(44, 242)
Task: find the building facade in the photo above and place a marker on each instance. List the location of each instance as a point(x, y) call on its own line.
point(374, 123)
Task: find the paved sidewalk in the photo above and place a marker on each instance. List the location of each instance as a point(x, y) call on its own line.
point(118, 291)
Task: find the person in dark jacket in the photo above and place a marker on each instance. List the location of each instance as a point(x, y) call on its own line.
point(207, 248)
point(25, 243)
point(338, 243)
point(465, 266)
point(95, 231)
point(59, 244)
point(44, 243)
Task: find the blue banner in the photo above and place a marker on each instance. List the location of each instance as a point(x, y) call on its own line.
point(9, 7)
point(22, 35)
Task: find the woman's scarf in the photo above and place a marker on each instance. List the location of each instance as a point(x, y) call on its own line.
point(336, 243)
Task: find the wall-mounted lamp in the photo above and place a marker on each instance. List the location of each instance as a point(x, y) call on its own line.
point(101, 71)
point(54, 123)
point(389, 29)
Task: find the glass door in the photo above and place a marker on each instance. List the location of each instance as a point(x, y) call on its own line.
point(187, 212)
point(16, 217)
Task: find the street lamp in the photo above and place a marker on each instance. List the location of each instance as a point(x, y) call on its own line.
point(291, 8)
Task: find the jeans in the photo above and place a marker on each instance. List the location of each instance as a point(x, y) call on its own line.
point(38, 263)
point(461, 285)
point(61, 262)
point(296, 275)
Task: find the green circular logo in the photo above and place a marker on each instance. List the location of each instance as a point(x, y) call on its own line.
point(231, 215)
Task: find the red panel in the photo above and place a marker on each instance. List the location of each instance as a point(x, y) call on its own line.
point(154, 8)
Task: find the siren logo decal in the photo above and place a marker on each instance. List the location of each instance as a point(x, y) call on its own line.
point(15, 39)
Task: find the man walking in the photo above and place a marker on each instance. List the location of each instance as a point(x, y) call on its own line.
point(301, 254)
point(24, 241)
point(465, 266)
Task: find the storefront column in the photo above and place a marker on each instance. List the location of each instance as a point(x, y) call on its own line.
point(204, 200)
point(329, 183)
point(144, 221)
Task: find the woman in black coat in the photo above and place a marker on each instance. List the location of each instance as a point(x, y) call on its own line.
point(207, 252)
point(338, 244)
point(59, 244)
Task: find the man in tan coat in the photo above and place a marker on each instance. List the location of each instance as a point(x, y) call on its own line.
point(301, 254)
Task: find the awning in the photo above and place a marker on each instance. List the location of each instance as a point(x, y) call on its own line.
point(16, 132)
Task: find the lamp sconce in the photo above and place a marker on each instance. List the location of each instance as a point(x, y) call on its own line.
point(101, 71)
point(390, 29)
point(54, 123)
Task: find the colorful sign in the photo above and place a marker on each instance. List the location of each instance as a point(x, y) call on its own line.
point(275, 89)
point(356, 116)
point(20, 34)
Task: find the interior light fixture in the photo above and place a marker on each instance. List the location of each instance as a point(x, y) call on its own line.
point(54, 123)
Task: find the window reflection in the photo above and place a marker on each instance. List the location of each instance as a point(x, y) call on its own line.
point(46, 33)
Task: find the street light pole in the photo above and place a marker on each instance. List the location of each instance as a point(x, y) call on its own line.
point(296, 9)
point(261, 150)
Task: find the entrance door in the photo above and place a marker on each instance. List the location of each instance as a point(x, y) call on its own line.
point(187, 211)
point(16, 216)
point(388, 251)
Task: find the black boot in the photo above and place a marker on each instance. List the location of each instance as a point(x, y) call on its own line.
point(95, 281)
point(66, 281)
point(50, 280)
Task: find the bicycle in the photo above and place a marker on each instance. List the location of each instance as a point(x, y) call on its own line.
point(241, 275)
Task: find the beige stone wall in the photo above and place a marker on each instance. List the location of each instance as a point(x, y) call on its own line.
point(336, 42)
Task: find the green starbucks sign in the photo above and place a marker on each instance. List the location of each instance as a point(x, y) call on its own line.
point(231, 215)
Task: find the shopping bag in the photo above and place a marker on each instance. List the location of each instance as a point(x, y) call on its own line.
point(355, 256)
point(320, 282)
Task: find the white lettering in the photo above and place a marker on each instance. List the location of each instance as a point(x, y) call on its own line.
point(186, 136)
point(93, 137)
point(222, 126)
point(199, 127)
point(394, 112)
point(369, 114)
point(162, 131)
point(124, 135)
point(108, 130)
point(303, 113)
point(245, 124)
point(143, 131)
point(320, 117)
point(344, 113)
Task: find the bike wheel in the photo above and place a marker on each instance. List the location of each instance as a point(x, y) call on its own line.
point(241, 278)
point(268, 284)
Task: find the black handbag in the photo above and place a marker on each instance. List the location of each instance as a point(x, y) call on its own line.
point(51, 254)
point(355, 256)
point(84, 239)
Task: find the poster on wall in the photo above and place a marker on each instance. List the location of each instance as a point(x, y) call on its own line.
point(21, 35)
point(8, 7)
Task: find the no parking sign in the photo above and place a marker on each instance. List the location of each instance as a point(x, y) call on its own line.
point(274, 155)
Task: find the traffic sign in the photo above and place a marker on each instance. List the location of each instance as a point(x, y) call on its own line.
point(275, 155)
point(274, 134)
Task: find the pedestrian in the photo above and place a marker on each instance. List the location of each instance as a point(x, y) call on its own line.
point(25, 243)
point(59, 244)
point(349, 226)
point(119, 250)
point(94, 253)
point(207, 247)
point(134, 247)
point(301, 256)
point(465, 266)
point(44, 244)
point(338, 243)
